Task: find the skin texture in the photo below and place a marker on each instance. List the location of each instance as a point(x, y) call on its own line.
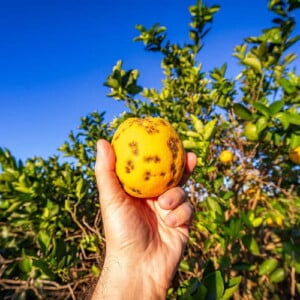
point(145, 238)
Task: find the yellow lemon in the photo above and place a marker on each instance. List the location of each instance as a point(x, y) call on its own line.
point(269, 221)
point(279, 220)
point(150, 156)
point(226, 156)
point(276, 221)
point(294, 155)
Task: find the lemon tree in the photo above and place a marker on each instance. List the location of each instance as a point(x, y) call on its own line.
point(244, 240)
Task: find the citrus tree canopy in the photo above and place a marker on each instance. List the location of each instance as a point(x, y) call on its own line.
point(245, 190)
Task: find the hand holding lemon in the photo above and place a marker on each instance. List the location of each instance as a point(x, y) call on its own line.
point(149, 228)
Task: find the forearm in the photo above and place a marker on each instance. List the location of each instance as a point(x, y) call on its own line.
point(119, 281)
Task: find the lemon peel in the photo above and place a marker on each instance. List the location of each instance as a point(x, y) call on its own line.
point(150, 156)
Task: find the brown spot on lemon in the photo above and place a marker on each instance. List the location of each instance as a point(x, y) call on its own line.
point(129, 166)
point(173, 145)
point(147, 175)
point(170, 183)
point(149, 156)
point(153, 158)
point(133, 147)
point(173, 168)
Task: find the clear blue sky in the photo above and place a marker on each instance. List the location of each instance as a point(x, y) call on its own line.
point(56, 54)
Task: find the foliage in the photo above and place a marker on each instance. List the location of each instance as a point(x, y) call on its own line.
point(50, 243)
point(245, 237)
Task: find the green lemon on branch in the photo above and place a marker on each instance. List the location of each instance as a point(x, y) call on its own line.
point(250, 132)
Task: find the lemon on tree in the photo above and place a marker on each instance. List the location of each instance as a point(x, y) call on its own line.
point(150, 156)
point(250, 132)
point(226, 157)
point(294, 155)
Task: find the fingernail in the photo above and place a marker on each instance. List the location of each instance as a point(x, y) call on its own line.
point(171, 220)
point(165, 202)
point(100, 150)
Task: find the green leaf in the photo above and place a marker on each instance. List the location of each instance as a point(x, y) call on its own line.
point(197, 124)
point(189, 144)
point(209, 129)
point(228, 195)
point(261, 124)
point(272, 35)
point(43, 267)
point(4, 204)
point(25, 265)
point(200, 293)
point(233, 285)
point(44, 240)
point(283, 117)
point(288, 86)
point(278, 275)
point(95, 270)
point(112, 82)
point(298, 287)
point(14, 206)
point(275, 107)
point(235, 281)
point(235, 228)
point(268, 266)
point(277, 138)
point(242, 112)
point(262, 109)
point(68, 205)
point(294, 118)
point(295, 140)
point(134, 89)
point(59, 249)
point(213, 205)
point(192, 289)
point(253, 62)
point(251, 244)
point(215, 285)
point(80, 189)
point(24, 189)
point(289, 58)
point(184, 265)
point(257, 222)
point(242, 266)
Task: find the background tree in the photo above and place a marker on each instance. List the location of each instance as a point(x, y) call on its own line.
point(245, 237)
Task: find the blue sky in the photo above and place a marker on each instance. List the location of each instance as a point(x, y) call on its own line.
point(56, 54)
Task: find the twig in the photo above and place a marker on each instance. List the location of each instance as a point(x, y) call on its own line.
point(71, 292)
point(92, 229)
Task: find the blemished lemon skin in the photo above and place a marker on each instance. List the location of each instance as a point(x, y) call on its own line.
point(150, 157)
point(226, 157)
point(294, 155)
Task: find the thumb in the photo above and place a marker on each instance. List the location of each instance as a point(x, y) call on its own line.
point(107, 182)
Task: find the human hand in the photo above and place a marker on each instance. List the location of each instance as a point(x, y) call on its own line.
point(145, 238)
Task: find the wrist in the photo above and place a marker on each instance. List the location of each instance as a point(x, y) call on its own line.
point(120, 279)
